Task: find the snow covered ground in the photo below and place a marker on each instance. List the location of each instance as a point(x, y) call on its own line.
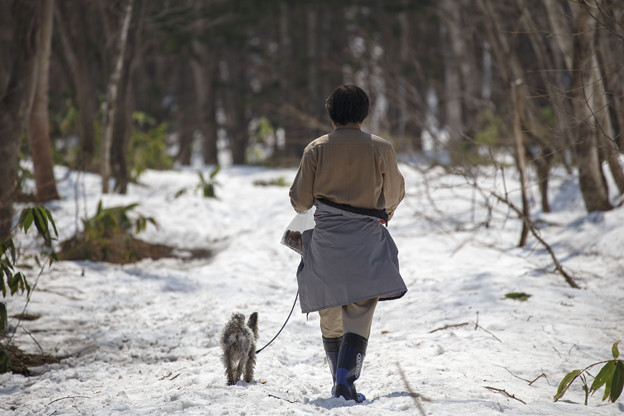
point(143, 339)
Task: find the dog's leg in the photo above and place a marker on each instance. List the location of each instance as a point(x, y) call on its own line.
point(239, 368)
point(251, 364)
point(229, 371)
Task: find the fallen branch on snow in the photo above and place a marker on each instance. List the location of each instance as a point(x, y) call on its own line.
point(449, 326)
point(281, 398)
point(505, 393)
point(417, 397)
point(477, 326)
point(524, 379)
point(68, 397)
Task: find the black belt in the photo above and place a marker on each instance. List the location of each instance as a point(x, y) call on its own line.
point(378, 213)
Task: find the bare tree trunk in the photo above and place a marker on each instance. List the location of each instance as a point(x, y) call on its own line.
point(606, 133)
point(520, 98)
point(72, 19)
point(122, 130)
point(591, 179)
point(334, 40)
point(126, 102)
point(605, 104)
point(561, 43)
point(16, 98)
point(614, 83)
point(207, 113)
point(560, 30)
point(286, 81)
point(404, 53)
point(461, 50)
point(185, 113)
point(312, 49)
point(554, 85)
point(238, 122)
point(452, 96)
point(519, 144)
point(111, 98)
point(409, 129)
point(39, 122)
point(314, 92)
point(204, 69)
point(463, 84)
point(294, 99)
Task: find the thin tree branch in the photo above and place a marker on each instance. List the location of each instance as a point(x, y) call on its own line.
point(33, 338)
point(569, 280)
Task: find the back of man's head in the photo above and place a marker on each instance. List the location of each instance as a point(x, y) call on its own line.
point(347, 104)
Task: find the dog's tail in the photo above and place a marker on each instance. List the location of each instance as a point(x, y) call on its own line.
point(252, 323)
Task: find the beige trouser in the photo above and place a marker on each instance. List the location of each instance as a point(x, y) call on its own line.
point(355, 318)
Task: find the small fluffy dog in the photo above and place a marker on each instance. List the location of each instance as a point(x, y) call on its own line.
point(238, 341)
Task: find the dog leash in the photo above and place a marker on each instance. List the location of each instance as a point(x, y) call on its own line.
point(280, 331)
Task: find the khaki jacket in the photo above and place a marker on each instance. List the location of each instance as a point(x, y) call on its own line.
point(350, 167)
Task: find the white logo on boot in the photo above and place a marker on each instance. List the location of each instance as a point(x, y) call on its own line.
point(358, 364)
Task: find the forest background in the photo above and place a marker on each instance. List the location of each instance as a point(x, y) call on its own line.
point(120, 86)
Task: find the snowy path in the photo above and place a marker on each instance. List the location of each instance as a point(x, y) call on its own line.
point(143, 338)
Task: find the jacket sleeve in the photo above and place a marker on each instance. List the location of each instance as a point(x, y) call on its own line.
point(302, 190)
point(393, 184)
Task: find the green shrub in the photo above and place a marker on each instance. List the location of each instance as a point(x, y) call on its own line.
point(207, 186)
point(281, 181)
point(107, 236)
point(611, 376)
point(493, 129)
point(148, 146)
point(260, 150)
point(109, 221)
point(13, 281)
point(520, 296)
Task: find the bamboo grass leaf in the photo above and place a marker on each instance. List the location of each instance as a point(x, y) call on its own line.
point(566, 382)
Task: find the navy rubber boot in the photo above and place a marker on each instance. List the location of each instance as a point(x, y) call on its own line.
point(332, 349)
point(350, 359)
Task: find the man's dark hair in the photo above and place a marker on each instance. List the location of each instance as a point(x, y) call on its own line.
point(347, 104)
